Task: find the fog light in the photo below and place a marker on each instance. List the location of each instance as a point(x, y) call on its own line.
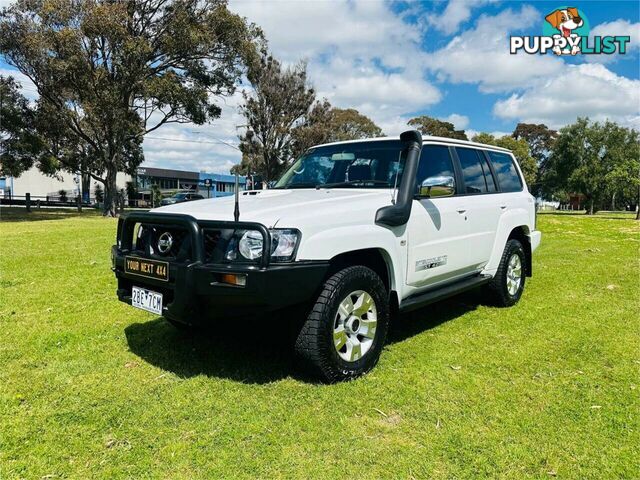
point(237, 279)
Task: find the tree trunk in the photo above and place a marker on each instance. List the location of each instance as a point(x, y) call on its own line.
point(86, 187)
point(591, 207)
point(613, 202)
point(638, 205)
point(110, 194)
point(267, 171)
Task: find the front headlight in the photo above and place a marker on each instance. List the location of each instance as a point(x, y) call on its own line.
point(248, 245)
point(283, 244)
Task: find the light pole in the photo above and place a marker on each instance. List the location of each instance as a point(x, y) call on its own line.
point(1, 134)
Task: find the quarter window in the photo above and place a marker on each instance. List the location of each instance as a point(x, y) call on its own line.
point(506, 172)
point(475, 171)
point(435, 161)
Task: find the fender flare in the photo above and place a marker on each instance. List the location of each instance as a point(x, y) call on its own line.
point(326, 245)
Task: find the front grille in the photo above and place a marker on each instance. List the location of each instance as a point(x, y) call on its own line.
point(148, 242)
point(147, 238)
point(211, 240)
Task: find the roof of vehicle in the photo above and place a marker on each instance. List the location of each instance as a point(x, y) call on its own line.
point(425, 139)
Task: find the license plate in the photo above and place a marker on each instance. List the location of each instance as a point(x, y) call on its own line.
point(146, 300)
point(147, 268)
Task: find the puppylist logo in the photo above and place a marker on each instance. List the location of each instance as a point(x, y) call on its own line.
point(566, 32)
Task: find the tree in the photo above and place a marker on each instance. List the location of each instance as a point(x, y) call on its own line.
point(326, 124)
point(62, 195)
point(594, 159)
point(540, 140)
point(349, 124)
point(623, 165)
point(109, 72)
point(98, 193)
point(280, 98)
point(520, 150)
point(314, 129)
point(539, 137)
point(132, 192)
point(437, 128)
point(19, 144)
point(156, 195)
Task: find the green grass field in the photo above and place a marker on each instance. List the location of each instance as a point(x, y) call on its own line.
point(90, 387)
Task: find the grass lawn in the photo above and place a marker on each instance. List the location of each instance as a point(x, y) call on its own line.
point(90, 387)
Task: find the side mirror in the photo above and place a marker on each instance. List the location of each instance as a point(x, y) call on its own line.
point(439, 186)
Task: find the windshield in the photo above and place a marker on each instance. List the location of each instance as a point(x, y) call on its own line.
point(180, 196)
point(355, 165)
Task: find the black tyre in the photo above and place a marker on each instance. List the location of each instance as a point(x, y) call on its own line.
point(507, 285)
point(343, 335)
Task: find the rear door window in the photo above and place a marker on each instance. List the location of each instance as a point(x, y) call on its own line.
point(475, 171)
point(506, 172)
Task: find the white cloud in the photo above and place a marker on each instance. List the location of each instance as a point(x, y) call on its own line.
point(298, 29)
point(454, 15)
point(578, 90)
point(618, 27)
point(460, 122)
point(361, 54)
point(481, 55)
point(371, 91)
point(393, 127)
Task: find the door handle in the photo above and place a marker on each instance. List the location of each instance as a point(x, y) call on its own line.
point(462, 210)
point(503, 207)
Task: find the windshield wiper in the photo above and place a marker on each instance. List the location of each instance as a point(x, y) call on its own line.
point(353, 182)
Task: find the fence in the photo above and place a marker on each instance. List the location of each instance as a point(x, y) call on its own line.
point(54, 200)
point(42, 201)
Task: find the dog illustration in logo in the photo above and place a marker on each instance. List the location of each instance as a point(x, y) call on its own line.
point(566, 21)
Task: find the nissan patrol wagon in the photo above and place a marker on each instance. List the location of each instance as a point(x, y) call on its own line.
point(352, 233)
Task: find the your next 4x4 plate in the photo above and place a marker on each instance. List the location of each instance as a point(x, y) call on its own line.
point(147, 268)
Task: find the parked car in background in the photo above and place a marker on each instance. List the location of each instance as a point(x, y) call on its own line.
point(181, 197)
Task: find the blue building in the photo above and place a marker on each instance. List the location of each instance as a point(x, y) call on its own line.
point(170, 181)
point(221, 185)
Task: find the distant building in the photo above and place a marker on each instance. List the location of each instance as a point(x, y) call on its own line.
point(170, 181)
point(42, 186)
point(221, 185)
point(166, 179)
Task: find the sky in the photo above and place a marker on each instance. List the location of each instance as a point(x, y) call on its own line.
point(447, 59)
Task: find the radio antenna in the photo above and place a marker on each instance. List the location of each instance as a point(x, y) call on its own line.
point(236, 209)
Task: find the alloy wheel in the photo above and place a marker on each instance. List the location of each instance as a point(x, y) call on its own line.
point(355, 326)
point(514, 274)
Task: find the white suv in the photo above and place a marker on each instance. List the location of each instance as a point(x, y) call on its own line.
point(353, 232)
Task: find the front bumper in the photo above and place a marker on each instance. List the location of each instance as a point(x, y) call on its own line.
point(193, 293)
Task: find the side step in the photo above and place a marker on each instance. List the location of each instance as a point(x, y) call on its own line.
point(420, 300)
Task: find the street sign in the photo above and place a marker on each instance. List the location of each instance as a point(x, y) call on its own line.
point(208, 183)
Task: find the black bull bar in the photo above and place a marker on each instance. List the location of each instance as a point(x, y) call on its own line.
point(127, 223)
